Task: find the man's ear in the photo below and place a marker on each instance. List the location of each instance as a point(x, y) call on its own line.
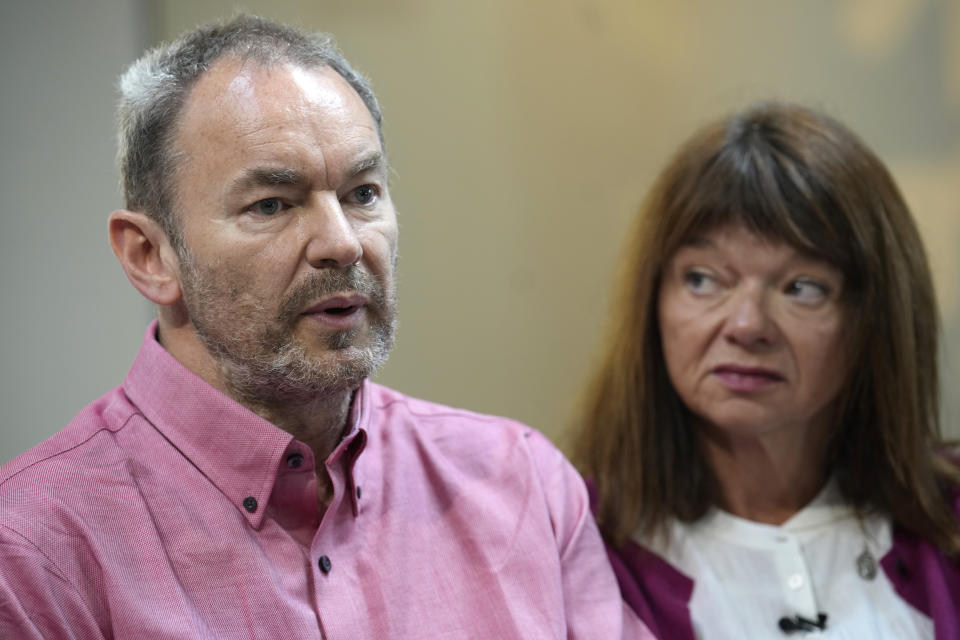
point(145, 253)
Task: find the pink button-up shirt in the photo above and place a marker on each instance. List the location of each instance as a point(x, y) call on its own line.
point(166, 510)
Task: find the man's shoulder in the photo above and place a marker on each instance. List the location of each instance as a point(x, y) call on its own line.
point(78, 446)
point(456, 432)
point(432, 419)
point(385, 400)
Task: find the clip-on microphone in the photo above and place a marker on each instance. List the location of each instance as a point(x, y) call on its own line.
point(799, 623)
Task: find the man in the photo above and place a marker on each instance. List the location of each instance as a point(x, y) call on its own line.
point(247, 480)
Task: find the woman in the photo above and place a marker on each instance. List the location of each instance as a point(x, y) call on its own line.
point(763, 430)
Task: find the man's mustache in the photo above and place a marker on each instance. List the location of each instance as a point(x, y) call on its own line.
point(351, 279)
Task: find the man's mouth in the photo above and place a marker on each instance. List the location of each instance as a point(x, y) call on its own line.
point(340, 312)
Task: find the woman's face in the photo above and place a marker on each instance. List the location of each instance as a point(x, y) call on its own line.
point(753, 333)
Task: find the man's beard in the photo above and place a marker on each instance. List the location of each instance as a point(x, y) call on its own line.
point(261, 359)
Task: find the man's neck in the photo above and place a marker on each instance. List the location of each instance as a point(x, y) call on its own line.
point(320, 423)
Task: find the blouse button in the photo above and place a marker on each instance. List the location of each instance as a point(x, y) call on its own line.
point(795, 581)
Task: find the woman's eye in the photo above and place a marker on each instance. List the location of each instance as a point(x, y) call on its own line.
point(699, 282)
point(365, 194)
point(807, 291)
point(267, 207)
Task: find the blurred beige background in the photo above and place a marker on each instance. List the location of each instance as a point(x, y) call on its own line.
point(523, 135)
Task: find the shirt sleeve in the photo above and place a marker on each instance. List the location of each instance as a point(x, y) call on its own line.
point(593, 606)
point(37, 602)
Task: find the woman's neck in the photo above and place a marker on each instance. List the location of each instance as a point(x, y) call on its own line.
point(766, 479)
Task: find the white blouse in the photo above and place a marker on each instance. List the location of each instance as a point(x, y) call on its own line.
point(748, 576)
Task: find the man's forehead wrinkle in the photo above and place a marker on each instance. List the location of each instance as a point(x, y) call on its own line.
point(282, 119)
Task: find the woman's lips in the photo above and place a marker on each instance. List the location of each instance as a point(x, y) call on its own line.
point(746, 379)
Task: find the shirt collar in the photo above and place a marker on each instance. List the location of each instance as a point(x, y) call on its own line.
point(352, 445)
point(825, 510)
point(237, 450)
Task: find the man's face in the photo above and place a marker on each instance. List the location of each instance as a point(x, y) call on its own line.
point(289, 234)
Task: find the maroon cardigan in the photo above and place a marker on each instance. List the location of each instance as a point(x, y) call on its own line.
point(660, 594)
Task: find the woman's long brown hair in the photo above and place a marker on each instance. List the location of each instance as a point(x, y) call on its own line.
point(797, 176)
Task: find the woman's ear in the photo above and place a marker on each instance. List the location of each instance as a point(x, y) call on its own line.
point(145, 253)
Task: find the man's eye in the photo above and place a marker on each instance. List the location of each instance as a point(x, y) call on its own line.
point(267, 207)
point(365, 194)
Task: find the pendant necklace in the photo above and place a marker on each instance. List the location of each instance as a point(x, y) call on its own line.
point(866, 564)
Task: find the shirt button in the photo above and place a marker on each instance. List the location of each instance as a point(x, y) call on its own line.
point(358, 493)
point(795, 581)
point(324, 564)
point(250, 504)
point(294, 460)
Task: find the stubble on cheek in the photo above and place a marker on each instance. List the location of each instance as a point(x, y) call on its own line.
point(257, 346)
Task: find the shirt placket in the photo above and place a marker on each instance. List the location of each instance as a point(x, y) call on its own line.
point(793, 574)
point(332, 582)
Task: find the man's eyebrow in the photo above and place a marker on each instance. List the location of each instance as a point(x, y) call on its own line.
point(373, 160)
point(268, 177)
point(273, 176)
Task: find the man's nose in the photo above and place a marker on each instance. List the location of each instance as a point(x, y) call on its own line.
point(332, 240)
point(749, 323)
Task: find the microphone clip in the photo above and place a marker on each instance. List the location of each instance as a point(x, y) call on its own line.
point(799, 623)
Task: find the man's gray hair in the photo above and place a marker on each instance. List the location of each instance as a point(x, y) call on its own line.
point(154, 88)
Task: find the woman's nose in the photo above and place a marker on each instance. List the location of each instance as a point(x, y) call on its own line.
point(749, 323)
